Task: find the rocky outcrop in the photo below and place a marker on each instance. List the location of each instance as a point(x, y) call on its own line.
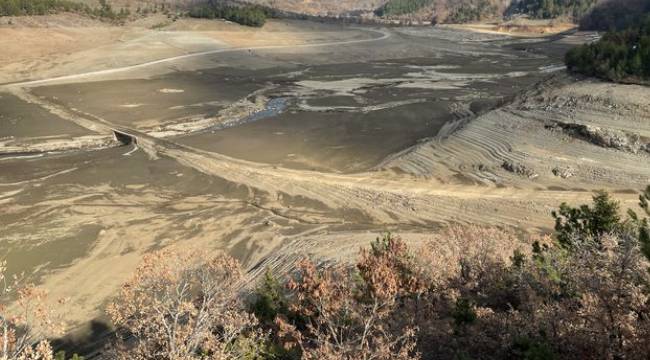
point(519, 169)
point(607, 138)
point(564, 172)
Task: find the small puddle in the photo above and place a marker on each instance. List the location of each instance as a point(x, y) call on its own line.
point(273, 107)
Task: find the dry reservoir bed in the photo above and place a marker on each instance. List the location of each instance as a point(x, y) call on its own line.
point(280, 147)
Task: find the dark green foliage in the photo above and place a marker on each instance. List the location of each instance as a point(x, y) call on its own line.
point(243, 15)
point(615, 15)
point(644, 227)
point(37, 7)
point(525, 348)
point(401, 7)
point(584, 222)
point(464, 313)
point(519, 259)
point(618, 56)
point(474, 10)
point(269, 300)
point(643, 224)
point(61, 356)
point(548, 9)
point(105, 10)
point(578, 224)
point(44, 7)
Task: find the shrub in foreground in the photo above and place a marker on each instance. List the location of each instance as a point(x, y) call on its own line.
point(25, 325)
point(183, 304)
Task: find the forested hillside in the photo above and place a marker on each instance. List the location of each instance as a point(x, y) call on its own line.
point(249, 15)
point(474, 10)
point(401, 7)
point(605, 15)
point(615, 15)
point(461, 11)
point(547, 9)
point(44, 7)
point(619, 56)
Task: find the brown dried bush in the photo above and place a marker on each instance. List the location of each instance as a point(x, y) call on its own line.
point(182, 304)
point(590, 302)
point(25, 324)
point(348, 314)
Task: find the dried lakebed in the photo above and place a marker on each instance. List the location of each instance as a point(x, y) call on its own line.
point(273, 153)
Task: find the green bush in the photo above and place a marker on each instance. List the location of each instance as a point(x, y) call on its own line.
point(61, 355)
point(269, 300)
point(584, 222)
point(526, 348)
point(464, 313)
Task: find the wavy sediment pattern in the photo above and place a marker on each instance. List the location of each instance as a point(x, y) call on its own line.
point(520, 133)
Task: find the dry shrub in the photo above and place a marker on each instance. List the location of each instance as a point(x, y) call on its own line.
point(183, 304)
point(611, 281)
point(346, 314)
point(25, 325)
point(471, 292)
point(590, 302)
point(470, 250)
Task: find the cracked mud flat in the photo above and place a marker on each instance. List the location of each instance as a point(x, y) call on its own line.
point(276, 153)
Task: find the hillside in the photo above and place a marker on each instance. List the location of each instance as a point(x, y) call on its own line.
point(605, 14)
point(547, 9)
point(615, 14)
point(622, 56)
point(456, 11)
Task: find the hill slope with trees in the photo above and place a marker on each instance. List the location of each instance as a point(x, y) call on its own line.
point(622, 56)
point(249, 15)
point(45, 7)
point(548, 9)
point(615, 15)
point(248, 11)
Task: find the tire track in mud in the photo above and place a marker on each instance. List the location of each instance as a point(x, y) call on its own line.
point(384, 199)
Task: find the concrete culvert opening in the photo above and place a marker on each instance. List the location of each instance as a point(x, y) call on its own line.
point(123, 138)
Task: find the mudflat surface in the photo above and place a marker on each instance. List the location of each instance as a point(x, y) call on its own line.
point(151, 102)
point(21, 119)
point(326, 141)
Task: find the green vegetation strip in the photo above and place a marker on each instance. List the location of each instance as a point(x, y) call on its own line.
point(401, 7)
point(45, 7)
point(243, 15)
